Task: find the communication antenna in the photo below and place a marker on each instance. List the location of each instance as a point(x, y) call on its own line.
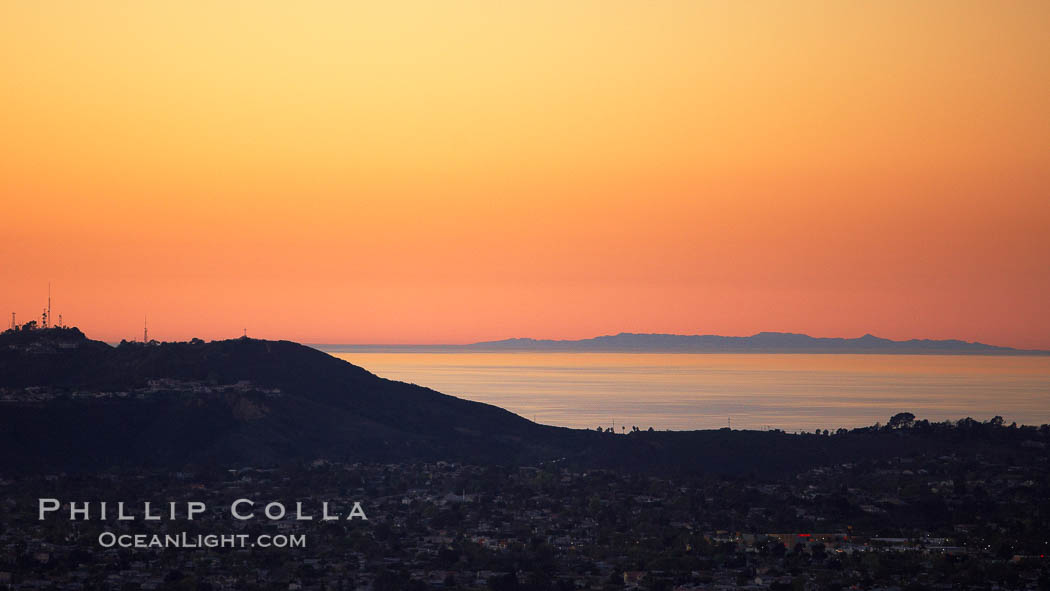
point(60, 321)
point(145, 331)
point(47, 322)
point(730, 423)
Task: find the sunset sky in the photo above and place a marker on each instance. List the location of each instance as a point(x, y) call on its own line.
point(447, 172)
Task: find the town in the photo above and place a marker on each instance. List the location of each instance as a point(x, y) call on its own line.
point(937, 522)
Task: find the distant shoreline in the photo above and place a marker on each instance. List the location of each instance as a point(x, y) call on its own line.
point(761, 343)
point(461, 349)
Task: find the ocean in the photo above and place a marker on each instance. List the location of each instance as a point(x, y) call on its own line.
point(684, 391)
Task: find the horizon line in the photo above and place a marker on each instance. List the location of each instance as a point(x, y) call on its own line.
point(509, 340)
point(553, 341)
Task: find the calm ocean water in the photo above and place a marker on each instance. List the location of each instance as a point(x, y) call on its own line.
point(702, 391)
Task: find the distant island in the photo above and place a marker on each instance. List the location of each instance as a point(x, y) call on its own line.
point(763, 342)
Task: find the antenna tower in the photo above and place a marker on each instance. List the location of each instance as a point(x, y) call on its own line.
point(145, 331)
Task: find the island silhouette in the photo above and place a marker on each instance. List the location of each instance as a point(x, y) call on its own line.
point(763, 342)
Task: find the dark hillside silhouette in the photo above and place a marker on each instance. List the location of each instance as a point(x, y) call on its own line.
point(73, 404)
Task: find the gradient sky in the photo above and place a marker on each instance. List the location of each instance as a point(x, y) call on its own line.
point(458, 171)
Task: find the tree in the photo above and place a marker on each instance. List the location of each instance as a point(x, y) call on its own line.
point(901, 420)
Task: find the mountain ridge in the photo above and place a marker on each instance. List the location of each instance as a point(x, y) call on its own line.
point(70, 401)
point(762, 342)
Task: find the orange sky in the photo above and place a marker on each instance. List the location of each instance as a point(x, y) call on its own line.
point(459, 171)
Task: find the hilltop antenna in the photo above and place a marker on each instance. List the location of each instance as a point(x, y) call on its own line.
point(730, 423)
point(48, 321)
point(60, 321)
point(145, 331)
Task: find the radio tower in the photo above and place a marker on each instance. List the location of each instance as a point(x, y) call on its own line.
point(47, 323)
point(145, 332)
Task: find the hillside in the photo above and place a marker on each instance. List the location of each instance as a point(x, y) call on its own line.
point(73, 404)
point(241, 401)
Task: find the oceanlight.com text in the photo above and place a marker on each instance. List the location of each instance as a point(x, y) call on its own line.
point(184, 540)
